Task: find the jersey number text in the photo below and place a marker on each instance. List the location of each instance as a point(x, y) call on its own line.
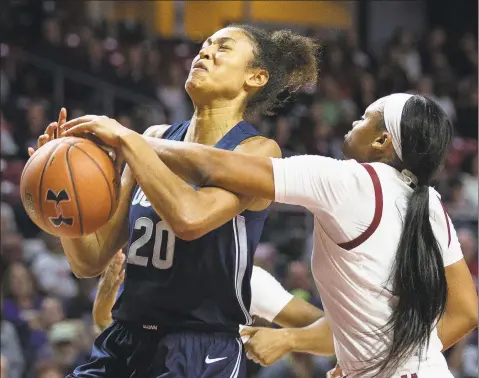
point(162, 257)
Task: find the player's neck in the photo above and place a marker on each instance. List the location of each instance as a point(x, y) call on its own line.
point(208, 125)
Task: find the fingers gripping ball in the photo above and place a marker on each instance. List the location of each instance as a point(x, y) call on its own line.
point(69, 187)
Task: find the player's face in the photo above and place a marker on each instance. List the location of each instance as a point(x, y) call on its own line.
point(359, 141)
point(220, 70)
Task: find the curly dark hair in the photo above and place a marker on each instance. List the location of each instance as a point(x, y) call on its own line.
point(291, 61)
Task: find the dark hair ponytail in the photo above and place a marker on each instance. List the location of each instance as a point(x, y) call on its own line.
point(418, 276)
point(291, 61)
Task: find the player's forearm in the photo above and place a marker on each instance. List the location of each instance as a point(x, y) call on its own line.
point(83, 255)
point(102, 306)
point(236, 172)
point(298, 313)
point(171, 197)
point(89, 255)
point(315, 339)
point(453, 327)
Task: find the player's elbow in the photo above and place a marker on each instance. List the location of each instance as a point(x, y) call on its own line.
point(86, 271)
point(189, 228)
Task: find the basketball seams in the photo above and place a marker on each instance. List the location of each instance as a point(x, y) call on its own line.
point(44, 170)
point(74, 188)
point(40, 197)
point(104, 176)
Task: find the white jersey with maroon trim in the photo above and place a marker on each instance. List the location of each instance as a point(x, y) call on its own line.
point(358, 214)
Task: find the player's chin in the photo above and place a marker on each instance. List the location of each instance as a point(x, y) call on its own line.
point(345, 149)
point(195, 84)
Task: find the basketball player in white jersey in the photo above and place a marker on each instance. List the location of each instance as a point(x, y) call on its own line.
point(386, 258)
point(269, 300)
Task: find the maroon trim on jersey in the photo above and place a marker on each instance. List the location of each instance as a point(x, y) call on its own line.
point(378, 213)
point(447, 222)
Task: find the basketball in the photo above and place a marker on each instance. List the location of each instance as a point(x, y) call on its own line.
point(69, 187)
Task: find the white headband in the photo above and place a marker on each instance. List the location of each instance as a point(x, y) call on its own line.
point(393, 106)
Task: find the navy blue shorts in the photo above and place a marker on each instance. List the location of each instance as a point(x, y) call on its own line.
point(124, 352)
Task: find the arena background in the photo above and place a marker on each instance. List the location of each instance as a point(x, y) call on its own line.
point(129, 60)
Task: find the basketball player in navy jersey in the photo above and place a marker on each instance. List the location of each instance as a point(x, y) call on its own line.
point(190, 250)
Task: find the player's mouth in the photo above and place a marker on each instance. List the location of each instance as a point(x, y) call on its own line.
point(200, 66)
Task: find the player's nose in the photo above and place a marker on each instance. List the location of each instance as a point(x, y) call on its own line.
point(205, 54)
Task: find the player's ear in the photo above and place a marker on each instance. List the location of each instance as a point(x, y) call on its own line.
point(256, 78)
point(383, 142)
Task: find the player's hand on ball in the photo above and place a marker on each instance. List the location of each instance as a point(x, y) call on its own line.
point(51, 131)
point(266, 345)
point(107, 130)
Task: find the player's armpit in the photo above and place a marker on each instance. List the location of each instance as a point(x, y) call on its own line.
point(461, 313)
point(298, 313)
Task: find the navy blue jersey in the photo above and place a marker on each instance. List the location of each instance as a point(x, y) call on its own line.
point(201, 285)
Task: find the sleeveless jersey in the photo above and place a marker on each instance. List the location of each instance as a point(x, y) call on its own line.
point(201, 285)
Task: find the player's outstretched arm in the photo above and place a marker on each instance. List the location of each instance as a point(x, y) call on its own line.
point(236, 171)
point(272, 302)
point(266, 345)
point(309, 180)
point(189, 212)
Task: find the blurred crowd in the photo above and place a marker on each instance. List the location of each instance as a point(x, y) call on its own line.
point(46, 312)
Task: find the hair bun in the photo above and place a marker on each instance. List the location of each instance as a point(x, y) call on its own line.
point(299, 56)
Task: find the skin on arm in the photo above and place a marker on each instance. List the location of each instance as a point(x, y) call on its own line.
point(89, 255)
point(461, 313)
point(238, 172)
point(298, 313)
point(190, 213)
point(107, 291)
point(266, 345)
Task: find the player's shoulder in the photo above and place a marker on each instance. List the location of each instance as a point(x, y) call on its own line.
point(156, 131)
point(259, 145)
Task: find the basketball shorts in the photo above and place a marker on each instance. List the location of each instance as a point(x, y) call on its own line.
point(121, 351)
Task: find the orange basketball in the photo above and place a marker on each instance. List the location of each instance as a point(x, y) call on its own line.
point(69, 187)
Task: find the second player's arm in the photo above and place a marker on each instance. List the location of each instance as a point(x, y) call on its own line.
point(236, 171)
point(189, 212)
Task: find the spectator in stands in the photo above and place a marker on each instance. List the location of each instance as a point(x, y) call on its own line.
point(468, 242)
point(470, 180)
point(47, 369)
point(11, 351)
point(52, 270)
point(457, 204)
point(3, 367)
point(298, 281)
point(21, 307)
